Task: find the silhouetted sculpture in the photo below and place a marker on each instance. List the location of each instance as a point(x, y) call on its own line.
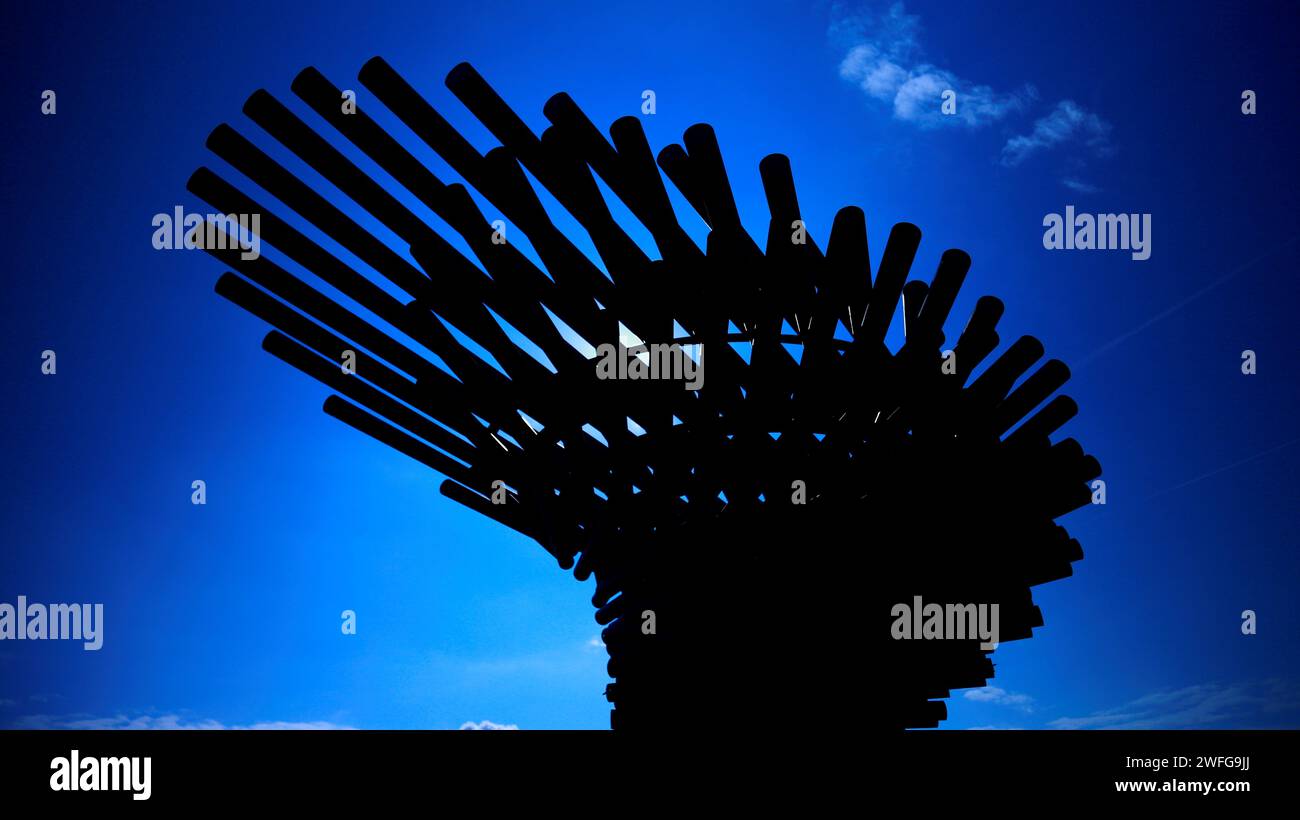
point(765, 610)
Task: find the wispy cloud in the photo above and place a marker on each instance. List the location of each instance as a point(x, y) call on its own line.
point(441, 674)
point(177, 722)
point(1273, 703)
point(1068, 122)
point(159, 722)
point(1079, 185)
point(992, 728)
point(487, 725)
point(1001, 697)
point(886, 60)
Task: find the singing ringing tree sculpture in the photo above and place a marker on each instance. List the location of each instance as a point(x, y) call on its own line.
point(750, 532)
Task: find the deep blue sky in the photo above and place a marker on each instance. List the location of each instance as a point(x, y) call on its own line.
point(229, 613)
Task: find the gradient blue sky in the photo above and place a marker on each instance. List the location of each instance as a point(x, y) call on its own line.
point(228, 614)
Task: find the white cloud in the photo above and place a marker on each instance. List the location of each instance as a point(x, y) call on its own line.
point(1079, 185)
point(157, 722)
point(487, 724)
point(992, 728)
point(1068, 122)
point(994, 694)
point(315, 725)
point(1240, 705)
point(884, 60)
point(884, 57)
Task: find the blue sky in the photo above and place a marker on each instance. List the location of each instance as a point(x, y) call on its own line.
point(227, 614)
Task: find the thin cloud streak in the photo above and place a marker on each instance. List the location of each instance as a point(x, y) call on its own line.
point(1169, 311)
point(161, 723)
point(1243, 705)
